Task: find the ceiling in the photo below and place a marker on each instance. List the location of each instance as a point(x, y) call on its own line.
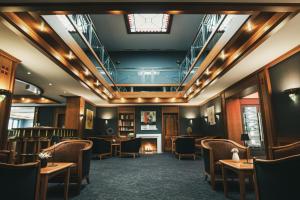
point(279, 43)
point(43, 70)
point(112, 31)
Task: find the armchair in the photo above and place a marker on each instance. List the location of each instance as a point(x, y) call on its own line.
point(78, 152)
point(185, 146)
point(20, 181)
point(130, 147)
point(277, 179)
point(101, 147)
point(6, 156)
point(219, 149)
point(286, 150)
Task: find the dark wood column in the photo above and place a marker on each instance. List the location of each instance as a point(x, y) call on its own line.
point(8, 66)
point(75, 114)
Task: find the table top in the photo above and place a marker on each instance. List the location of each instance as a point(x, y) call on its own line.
point(58, 166)
point(241, 165)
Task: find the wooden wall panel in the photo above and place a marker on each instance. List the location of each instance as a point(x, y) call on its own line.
point(75, 114)
point(234, 120)
point(8, 66)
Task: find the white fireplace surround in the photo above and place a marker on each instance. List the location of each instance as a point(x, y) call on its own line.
point(156, 136)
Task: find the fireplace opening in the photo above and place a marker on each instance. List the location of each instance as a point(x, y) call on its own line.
point(149, 146)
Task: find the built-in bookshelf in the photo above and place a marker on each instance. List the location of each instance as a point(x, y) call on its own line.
point(126, 122)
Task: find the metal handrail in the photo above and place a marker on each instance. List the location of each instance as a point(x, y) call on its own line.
point(189, 62)
point(107, 64)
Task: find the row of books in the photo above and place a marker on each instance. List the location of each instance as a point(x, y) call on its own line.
point(127, 116)
point(125, 123)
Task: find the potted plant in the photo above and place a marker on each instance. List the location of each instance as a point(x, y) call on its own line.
point(43, 156)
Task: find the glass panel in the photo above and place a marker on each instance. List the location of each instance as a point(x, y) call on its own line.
point(21, 117)
point(252, 125)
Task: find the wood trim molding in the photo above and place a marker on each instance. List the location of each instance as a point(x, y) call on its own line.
point(119, 7)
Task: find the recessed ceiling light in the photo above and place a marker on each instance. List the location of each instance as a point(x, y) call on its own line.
point(42, 26)
point(50, 84)
point(28, 73)
point(148, 23)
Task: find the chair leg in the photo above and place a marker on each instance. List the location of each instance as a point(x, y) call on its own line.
point(88, 180)
point(205, 177)
point(179, 156)
point(78, 186)
point(212, 182)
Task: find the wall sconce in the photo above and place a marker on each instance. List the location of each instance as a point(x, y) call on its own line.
point(81, 116)
point(292, 93)
point(3, 94)
point(191, 121)
point(106, 122)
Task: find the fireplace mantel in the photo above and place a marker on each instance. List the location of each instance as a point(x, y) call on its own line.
point(156, 136)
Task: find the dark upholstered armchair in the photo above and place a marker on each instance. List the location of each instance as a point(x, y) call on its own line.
point(20, 181)
point(76, 151)
point(6, 156)
point(286, 150)
point(130, 147)
point(219, 149)
point(101, 147)
point(185, 146)
point(277, 179)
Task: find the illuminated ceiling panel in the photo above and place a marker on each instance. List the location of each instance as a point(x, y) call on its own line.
point(148, 23)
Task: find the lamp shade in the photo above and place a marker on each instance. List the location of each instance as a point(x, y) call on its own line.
point(245, 137)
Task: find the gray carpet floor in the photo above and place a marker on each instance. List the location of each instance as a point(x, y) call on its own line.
point(155, 177)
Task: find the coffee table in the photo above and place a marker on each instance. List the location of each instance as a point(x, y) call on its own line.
point(51, 171)
point(242, 169)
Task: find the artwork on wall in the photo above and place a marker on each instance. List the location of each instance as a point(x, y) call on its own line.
point(211, 115)
point(148, 120)
point(89, 119)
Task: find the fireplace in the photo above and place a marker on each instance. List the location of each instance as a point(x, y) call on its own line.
point(155, 137)
point(149, 146)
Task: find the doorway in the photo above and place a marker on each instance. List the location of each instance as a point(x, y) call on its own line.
point(244, 117)
point(170, 129)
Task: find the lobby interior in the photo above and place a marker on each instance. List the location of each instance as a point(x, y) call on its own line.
point(149, 100)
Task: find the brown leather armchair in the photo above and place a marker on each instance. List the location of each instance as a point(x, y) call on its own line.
point(6, 156)
point(219, 149)
point(75, 151)
point(286, 150)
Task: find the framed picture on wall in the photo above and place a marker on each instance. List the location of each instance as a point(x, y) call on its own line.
point(148, 120)
point(211, 115)
point(89, 119)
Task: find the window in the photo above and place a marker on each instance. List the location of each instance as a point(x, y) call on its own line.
point(148, 23)
point(21, 117)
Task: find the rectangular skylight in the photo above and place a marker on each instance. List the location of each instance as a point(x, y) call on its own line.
point(148, 23)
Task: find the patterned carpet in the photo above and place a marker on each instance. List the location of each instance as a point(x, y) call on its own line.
point(155, 177)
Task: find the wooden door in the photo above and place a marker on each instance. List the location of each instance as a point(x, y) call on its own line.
point(170, 129)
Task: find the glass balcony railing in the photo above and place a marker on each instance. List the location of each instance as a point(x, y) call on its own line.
point(205, 39)
point(85, 26)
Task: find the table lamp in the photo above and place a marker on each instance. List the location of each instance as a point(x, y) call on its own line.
point(244, 138)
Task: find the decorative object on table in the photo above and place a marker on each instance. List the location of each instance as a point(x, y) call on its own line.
point(235, 154)
point(189, 130)
point(245, 138)
point(148, 120)
point(130, 135)
point(211, 118)
point(44, 156)
point(54, 140)
point(89, 119)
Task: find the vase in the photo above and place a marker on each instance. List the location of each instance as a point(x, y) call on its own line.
point(235, 157)
point(44, 163)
